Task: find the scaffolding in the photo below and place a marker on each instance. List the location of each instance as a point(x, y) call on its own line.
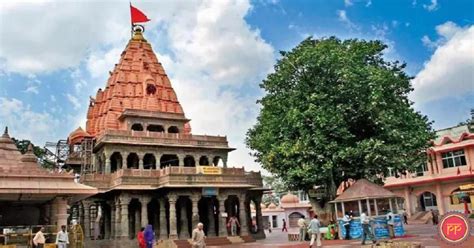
point(56, 153)
point(87, 147)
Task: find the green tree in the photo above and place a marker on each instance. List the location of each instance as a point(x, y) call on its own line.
point(39, 152)
point(277, 187)
point(335, 110)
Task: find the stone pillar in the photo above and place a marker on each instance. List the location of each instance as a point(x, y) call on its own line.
point(183, 230)
point(107, 223)
point(180, 160)
point(138, 220)
point(259, 217)
point(157, 159)
point(440, 200)
point(108, 164)
point(124, 160)
point(195, 210)
point(224, 161)
point(369, 212)
point(117, 218)
point(162, 220)
point(221, 219)
point(140, 160)
point(60, 212)
point(172, 201)
point(124, 228)
point(144, 201)
point(375, 206)
point(244, 230)
point(86, 226)
point(212, 221)
point(112, 220)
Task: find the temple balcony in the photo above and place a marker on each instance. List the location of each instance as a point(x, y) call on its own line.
point(162, 139)
point(200, 176)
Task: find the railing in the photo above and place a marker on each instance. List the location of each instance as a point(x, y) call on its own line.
point(15, 171)
point(154, 114)
point(166, 138)
point(172, 176)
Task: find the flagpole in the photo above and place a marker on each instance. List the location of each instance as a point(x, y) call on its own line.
point(131, 21)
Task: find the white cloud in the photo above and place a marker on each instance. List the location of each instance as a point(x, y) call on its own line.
point(75, 102)
point(450, 70)
point(445, 32)
point(369, 3)
point(342, 16)
point(348, 3)
point(431, 7)
point(24, 123)
point(32, 89)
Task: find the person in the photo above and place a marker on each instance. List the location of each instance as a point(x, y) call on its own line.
point(302, 227)
point(390, 224)
point(434, 217)
point(198, 237)
point(284, 229)
point(39, 239)
point(313, 229)
point(149, 236)
point(233, 223)
point(331, 233)
point(405, 216)
point(141, 238)
point(365, 221)
point(347, 225)
point(62, 238)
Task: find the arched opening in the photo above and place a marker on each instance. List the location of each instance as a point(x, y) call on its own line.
point(137, 127)
point(203, 160)
point(155, 128)
point(150, 89)
point(149, 161)
point(233, 211)
point(217, 161)
point(293, 219)
point(189, 161)
point(115, 162)
point(459, 197)
point(132, 161)
point(208, 215)
point(169, 160)
point(184, 217)
point(154, 214)
point(428, 201)
point(173, 129)
point(134, 217)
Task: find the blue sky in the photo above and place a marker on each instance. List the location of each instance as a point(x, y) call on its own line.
point(55, 54)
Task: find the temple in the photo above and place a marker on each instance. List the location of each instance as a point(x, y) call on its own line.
point(445, 182)
point(139, 152)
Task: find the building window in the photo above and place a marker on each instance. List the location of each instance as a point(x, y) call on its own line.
point(453, 159)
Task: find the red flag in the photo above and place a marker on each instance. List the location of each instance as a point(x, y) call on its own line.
point(137, 15)
point(459, 171)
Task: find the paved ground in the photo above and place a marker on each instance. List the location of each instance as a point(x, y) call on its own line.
point(423, 233)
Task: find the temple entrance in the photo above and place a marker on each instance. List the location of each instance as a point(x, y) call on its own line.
point(132, 161)
point(428, 201)
point(134, 218)
point(184, 217)
point(153, 214)
point(207, 207)
point(232, 209)
point(293, 219)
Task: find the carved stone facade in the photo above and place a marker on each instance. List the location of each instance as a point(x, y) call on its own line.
point(149, 168)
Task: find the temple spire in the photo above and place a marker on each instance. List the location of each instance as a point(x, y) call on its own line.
point(5, 133)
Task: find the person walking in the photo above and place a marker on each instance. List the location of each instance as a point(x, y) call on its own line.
point(149, 236)
point(365, 220)
point(434, 217)
point(141, 238)
point(405, 216)
point(284, 229)
point(198, 237)
point(347, 225)
point(62, 238)
point(314, 226)
point(390, 224)
point(39, 238)
point(302, 227)
point(233, 223)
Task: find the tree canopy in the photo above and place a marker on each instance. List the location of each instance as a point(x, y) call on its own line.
point(39, 152)
point(337, 109)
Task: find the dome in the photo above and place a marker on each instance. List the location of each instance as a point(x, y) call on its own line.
point(272, 206)
point(77, 136)
point(290, 198)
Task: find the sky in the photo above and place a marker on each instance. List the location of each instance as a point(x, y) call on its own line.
point(55, 54)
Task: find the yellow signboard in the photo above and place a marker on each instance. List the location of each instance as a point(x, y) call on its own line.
point(466, 186)
point(209, 170)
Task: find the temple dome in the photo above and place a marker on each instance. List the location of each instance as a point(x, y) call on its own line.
point(77, 136)
point(290, 198)
point(272, 206)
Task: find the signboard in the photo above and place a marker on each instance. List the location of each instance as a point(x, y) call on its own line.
point(466, 186)
point(210, 191)
point(378, 226)
point(454, 228)
point(209, 170)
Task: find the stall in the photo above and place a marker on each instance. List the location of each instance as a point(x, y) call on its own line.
point(375, 201)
